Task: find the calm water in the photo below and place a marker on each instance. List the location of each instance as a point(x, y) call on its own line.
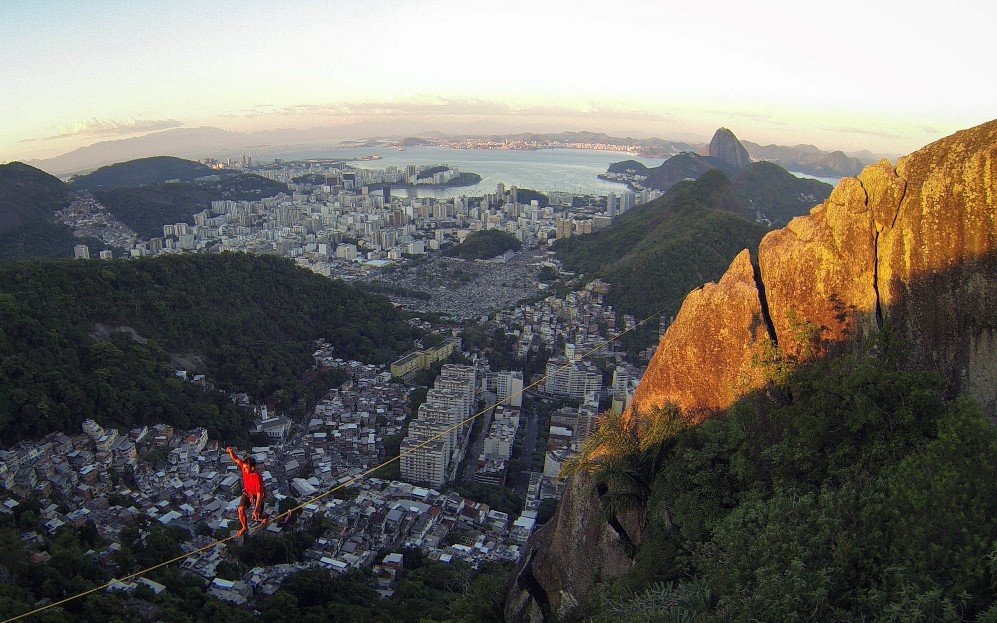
point(833, 181)
point(570, 170)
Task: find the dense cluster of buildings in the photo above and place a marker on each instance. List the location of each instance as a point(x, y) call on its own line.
point(97, 478)
point(342, 220)
point(438, 437)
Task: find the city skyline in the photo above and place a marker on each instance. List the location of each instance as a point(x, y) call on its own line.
point(78, 74)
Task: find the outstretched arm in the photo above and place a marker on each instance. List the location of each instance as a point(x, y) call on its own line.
point(238, 461)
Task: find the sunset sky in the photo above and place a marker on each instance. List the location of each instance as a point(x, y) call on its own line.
point(884, 76)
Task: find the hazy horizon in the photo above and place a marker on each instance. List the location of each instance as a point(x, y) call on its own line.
point(853, 77)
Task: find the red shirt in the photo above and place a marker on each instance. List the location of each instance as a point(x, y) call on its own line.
point(252, 481)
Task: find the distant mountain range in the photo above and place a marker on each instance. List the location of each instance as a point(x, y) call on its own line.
point(210, 141)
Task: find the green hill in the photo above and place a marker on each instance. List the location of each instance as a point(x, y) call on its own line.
point(142, 172)
point(147, 208)
point(628, 165)
point(485, 244)
point(684, 166)
point(250, 321)
point(29, 199)
point(776, 193)
point(654, 254)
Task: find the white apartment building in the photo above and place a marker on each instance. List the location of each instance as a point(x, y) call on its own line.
point(579, 379)
point(509, 388)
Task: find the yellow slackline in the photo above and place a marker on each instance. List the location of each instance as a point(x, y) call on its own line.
point(341, 485)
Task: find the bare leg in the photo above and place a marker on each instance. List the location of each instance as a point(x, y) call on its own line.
point(242, 520)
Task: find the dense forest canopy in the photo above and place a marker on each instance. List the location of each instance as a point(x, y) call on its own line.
point(851, 491)
point(248, 322)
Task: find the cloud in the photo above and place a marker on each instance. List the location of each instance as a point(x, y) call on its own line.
point(866, 132)
point(97, 128)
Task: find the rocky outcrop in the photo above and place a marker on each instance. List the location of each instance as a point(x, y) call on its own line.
point(577, 549)
point(910, 246)
point(727, 149)
point(710, 357)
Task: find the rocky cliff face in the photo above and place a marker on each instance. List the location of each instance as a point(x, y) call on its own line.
point(910, 246)
point(727, 149)
point(564, 561)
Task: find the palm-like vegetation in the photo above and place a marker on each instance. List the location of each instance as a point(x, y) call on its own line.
point(624, 459)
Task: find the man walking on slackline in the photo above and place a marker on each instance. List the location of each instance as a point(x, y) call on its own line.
point(252, 490)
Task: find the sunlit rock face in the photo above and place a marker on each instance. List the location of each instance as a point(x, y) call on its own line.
point(711, 346)
point(910, 246)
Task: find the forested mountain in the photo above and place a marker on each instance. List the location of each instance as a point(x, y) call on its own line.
point(29, 199)
point(248, 322)
point(141, 193)
point(142, 172)
point(147, 208)
point(765, 189)
point(653, 254)
point(809, 159)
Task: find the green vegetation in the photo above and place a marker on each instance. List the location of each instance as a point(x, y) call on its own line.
point(425, 592)
point(854, 491)
point(431, 171)
point(497, 498)
point(249, 323)
point(628, 165)
point(29, 199)
point(147, 208)
point(775, 192)
point(310, 178)
point(547, 274)
point(526, 195)
point(684, 166)
point(70, 570)
point(484, 244)
point(653, 255)
point(142, 172)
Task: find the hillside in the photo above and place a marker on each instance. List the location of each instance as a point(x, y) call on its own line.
point(483, 245)
point(813, 438)
point(655, 253)
point(628, 166)
point(29, 199)
point(775, 193)
point(54, 372)
point(147, 208)
point(142, 172)
point(681, 167)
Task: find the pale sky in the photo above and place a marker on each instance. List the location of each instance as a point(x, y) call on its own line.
point(886, 76)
